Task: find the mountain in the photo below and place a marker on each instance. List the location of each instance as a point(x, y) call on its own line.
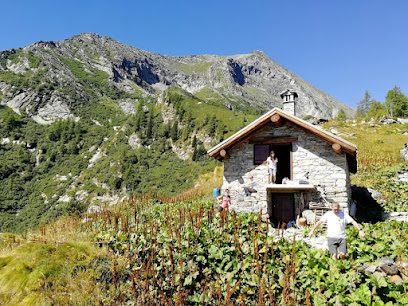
point(51, 80)
point(89, 120)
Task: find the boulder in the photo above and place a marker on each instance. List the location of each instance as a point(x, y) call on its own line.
point(368, 268)
point(380, 273)
point(94, 209)
point(386, 120)
point(371, 268)
point(396, 279)
point(404, 152)
point(385, 261)
point(402, 177)
point(403, 120)
point(387, 265)
point(402, 264)
point(399, 216)
point(334, 131)
point(309, 216)
point(374, 194)
point(363, 267)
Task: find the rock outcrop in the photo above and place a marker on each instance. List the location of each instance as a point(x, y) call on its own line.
point(387, 267)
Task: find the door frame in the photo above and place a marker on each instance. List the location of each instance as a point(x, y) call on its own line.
point(274, 208)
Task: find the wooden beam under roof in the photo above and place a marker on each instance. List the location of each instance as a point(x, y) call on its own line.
point(278, 120)
point(275, 140)
point(224, 154)
point(337, 148)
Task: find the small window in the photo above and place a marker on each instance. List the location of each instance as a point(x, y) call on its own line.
point(261, 153)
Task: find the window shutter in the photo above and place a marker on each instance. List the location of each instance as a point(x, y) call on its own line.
point(261, 153)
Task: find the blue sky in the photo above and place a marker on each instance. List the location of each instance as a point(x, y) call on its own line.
point(342, 47)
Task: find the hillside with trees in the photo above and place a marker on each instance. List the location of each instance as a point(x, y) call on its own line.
point(395, 105)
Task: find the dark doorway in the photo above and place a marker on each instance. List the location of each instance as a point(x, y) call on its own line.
point(283, 154)
point(283, 208)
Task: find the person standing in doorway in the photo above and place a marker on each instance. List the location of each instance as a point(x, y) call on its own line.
point(272, 167)
point(336, 221)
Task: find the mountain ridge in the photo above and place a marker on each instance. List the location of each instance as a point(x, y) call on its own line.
point(237, 82)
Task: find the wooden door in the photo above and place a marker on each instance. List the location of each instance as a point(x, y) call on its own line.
point(283, 208)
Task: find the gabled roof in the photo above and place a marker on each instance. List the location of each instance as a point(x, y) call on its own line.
point(278, 116)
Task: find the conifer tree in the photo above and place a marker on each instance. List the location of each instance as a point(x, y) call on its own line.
point(149, 131)
point(174, 131)
point(364, 105)
point(376, 110)
point(396, 103)
point(341, 116)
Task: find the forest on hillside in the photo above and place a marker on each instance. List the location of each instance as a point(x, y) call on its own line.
point(53, 170)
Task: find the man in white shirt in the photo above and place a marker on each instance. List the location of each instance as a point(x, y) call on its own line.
point(336, 230)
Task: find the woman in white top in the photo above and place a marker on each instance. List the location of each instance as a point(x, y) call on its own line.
point(272, 166)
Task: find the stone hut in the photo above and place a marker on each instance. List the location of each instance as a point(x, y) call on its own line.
point(316, 165)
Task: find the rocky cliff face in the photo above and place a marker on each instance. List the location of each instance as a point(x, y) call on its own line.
point(50, 80)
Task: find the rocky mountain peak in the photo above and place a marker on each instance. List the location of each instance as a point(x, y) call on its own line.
point(50, 80)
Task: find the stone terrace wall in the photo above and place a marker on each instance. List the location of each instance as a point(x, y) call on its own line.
point(326, 169)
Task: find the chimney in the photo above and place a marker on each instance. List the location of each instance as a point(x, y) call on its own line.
point(289, 98)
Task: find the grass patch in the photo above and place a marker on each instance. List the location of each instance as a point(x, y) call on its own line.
point(378, 146)
point(207, 94)
point(257, 92)
point(196, 68)
point(200, 110)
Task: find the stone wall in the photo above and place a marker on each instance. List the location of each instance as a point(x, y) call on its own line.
point(327, 170)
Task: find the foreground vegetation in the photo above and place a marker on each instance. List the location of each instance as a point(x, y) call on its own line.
point(144, 252)
point(56, 265)
point(190, 254)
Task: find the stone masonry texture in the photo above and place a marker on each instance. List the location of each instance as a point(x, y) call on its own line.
point(327, 170)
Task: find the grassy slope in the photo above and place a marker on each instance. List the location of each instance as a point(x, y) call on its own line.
point(379, 160)
point(57, 265)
